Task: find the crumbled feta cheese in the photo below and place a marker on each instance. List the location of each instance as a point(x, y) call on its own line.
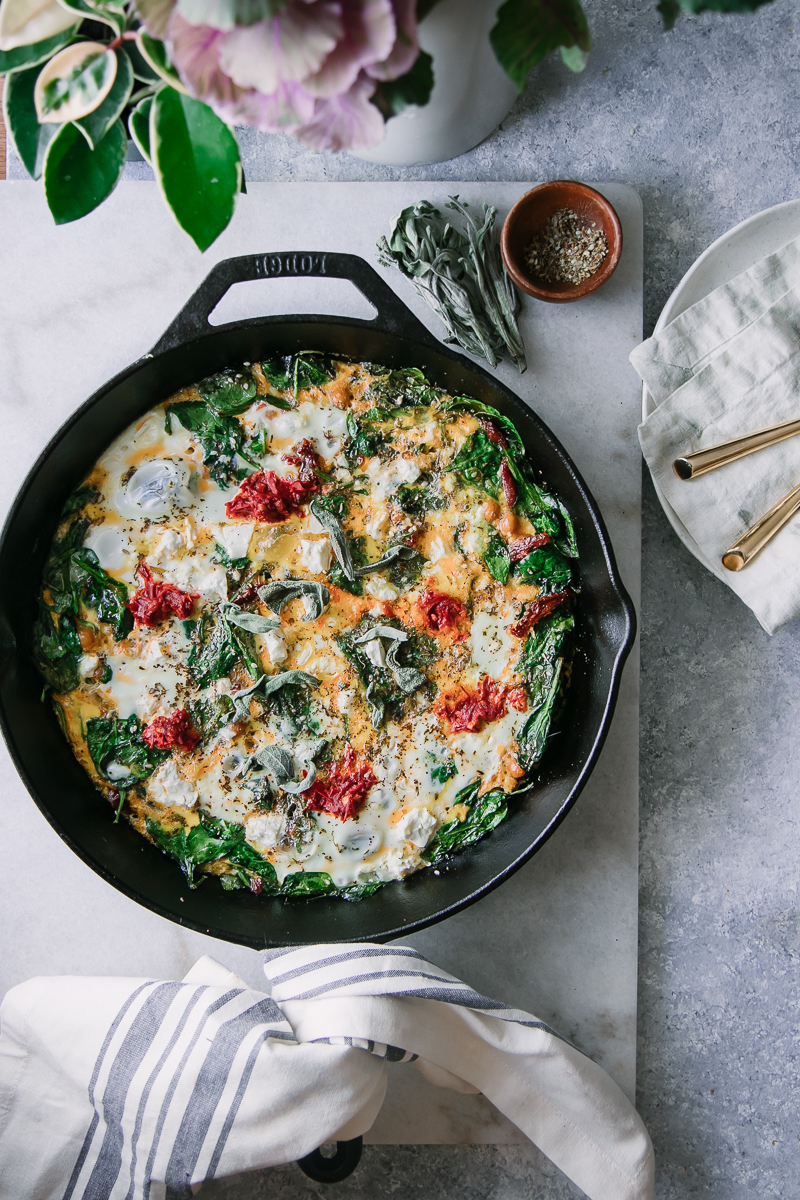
point(345, 701)
point(116, 772)
point(377, 522)
point(473, 542)
point(399, 862)
point(275, 645)
point(234, 539)
point(264, 830)
point(387, 478)
point(437, 550)
point(171, 787)
point(167, 546)
point(376, 652)
point(381, 589)
point(310, 606)
point(211, 584)
point(316, 556)
point(304, 654)
point(88, 664)
point(416, 826)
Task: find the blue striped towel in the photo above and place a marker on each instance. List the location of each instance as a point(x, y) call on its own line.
point(130, 1089)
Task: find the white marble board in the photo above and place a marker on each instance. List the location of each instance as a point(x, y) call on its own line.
point(81, 302)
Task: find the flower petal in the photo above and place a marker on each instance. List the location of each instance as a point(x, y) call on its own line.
point(406, 48)
point(369, 35)
point(346, 122)
point(280, 112)
point(286, 49)
point(194, 49)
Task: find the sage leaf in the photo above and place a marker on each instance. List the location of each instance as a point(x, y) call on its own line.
point(408, 679)
point(96, 125)
point(296, 789)
point(376, 705)
point(196, 162)
point(277, 761)
point(77, 178)
point(75, 82)
point(275, 682)
point(381, 631)
point(391, 555)
point(241, 702)
point(333, 527)
point(527, 30)
point(30, 138)
point(279, 592)
point(139, 126)
point(252, 622)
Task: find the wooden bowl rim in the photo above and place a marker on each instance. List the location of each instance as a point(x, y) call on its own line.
point(570, 292)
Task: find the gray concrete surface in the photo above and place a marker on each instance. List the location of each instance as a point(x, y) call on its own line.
point(705, 123)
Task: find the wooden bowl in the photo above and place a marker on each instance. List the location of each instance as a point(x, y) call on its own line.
point(531, 213)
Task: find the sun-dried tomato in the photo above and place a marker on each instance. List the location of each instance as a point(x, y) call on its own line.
point(306, 459)
point(470, 711)
point(167, 733)
point(492, 432)
point(441, 611)
point(517, 699)
point(266, 497)
point(508, 484)
point(541, 607)
point(343, 793)
point(524, 546)
point(156, 601)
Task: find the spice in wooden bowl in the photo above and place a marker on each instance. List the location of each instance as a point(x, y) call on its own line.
point(566, 250)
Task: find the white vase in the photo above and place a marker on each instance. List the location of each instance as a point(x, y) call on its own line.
point(471, 91)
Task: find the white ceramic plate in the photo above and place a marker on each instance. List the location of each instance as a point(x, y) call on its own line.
point(727, 257)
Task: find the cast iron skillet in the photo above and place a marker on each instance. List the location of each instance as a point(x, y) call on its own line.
point(189, 350)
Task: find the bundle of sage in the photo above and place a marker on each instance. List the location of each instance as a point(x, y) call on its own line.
point(461, 276)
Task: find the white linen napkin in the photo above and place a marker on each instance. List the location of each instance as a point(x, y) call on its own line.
point(107, 1085)
point(726, 367)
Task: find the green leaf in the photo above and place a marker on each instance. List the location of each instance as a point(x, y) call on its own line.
point(97, 124)
point(141, 67)
point(424, 7)
point(77, 178)
point(485, 813)
point(139, 126)
point(155, 55)
point(541, 664)
point(19, 113)
point(97, 12)
point(722, 6)
point(230, 392)
point(56, 650)
point(221, 438)
point(670, 11)
point(547, 567)
point(528, 30)
point(279, 592)
point(118, 750)
point(75, 82)
point(497, 559)
point(217, 646)
point(196, 161)
point(393, 96)
point(100, 591)
point(574, 58)
point(225, 14)
point(39, 52)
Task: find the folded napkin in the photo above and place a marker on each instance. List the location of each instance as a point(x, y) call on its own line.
point(728, 366)
point(110, 1085)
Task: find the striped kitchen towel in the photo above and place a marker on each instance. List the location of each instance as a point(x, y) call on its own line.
point(130, 1089)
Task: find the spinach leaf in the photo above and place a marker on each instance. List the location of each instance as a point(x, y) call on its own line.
point(56, 650)
point(222, 438)
point(546, 512)
point(217, 645)
point(79, 498)
point(478, 462)
point(497, 558)
point(310, 368)
point(284, 695)
point(360, 891)
point(364, 441)
point(105, 595)
point(546, 566)
point(419, 498)
point(210, 715)
point(505, 426)
point(485, 812)
point(334, 502)
point(118, 750)
point(308, 883)
point(229, 392)
point(541, 664)
point(444, 771)
point(209, 841)
point(406, 386)
point(278, 592)
point(406, 568)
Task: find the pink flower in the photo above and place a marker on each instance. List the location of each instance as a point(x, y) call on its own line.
point(310, 69)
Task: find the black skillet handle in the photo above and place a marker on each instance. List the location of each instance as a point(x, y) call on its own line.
point(336, 1168)
point(393, 316)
